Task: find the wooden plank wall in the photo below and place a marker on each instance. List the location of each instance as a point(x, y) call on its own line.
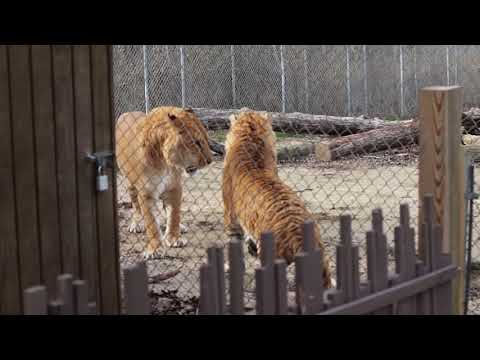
point(55, 105)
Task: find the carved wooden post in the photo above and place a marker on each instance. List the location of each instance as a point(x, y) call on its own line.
point(441, 173)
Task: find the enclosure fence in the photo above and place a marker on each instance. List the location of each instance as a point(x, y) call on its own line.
point(344, 118)
point(375, 80)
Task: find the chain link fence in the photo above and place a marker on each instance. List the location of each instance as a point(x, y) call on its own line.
point(363, 171)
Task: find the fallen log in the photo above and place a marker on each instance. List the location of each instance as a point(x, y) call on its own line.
point(216, 147)
point(299, 123)
point(382, 135)
point(162, 277)
point(471, 121)
point(401, 135)
point(283, 154)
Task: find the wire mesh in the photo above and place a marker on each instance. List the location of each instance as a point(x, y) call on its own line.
point(357, 81)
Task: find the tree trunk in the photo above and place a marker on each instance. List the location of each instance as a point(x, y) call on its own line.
point(283, 154)
point(401, 135)
point(471, 121)
point(298, 123)
point(367, 135)
point(216, 147)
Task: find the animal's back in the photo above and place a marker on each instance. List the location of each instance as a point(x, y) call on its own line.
point(261, 201)
point(264, 203)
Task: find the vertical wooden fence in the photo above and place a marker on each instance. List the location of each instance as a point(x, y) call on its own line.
point(415, 287)
point(55, 106)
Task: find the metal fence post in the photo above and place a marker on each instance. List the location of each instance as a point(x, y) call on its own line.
point(348, 80)
point(456, 63)
point(415, 69)
point(365, 81)
point(448, 65)
point(282, 66)
point(305, 68)
point(182, 75)
point(232, 58)
point(145, 79)
point(402, 110)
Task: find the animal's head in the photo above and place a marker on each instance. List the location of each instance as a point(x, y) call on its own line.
point(177, 137)
point(258, 124)
point(252, 133)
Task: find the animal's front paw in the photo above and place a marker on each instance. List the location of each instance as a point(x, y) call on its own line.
point(136, 227)
point(175, 242)
point(183, 229)
point(153, 251)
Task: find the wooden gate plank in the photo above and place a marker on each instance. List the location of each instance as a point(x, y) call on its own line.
point(24, 165)
point(108, 252)
point(85, 170)
point(46, 165)
point(10, 291)
point(66, 159)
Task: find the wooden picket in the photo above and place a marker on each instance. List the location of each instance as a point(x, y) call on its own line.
point(72, 296)
point(416, 286)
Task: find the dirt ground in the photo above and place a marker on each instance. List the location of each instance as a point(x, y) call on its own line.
point(353, 186)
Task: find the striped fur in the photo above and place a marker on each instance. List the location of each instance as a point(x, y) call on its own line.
point(255, 198)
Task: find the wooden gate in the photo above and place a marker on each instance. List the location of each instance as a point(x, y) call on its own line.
point(56, 106)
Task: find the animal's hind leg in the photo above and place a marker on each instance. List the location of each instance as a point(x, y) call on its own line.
point(230, 221)
point(135, 224)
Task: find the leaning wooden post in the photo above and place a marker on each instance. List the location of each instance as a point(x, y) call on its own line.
point(441, 173)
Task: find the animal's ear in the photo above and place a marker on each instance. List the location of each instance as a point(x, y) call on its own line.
point(266, 116)
point(232, 118)
point(171, 117)
point(189, 109)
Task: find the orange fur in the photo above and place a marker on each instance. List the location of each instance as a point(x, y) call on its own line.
point(152, 151)
point(255, 198)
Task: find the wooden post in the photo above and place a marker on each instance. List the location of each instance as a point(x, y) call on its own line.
point(441, 173)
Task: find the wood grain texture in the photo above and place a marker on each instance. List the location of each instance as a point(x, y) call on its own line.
point(10, 293)
point(49, 218)
point(85, 170)
point(24, 165)
point(108, 248)
point(56, 105)
point(441, 171)
point(66, 156)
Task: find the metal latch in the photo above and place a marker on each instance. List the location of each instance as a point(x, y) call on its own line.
point(470, 194)
point(102, 160)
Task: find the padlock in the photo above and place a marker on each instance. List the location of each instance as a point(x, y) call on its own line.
point(102, 180)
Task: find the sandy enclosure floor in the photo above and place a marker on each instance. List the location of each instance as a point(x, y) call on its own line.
point(354, 186)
